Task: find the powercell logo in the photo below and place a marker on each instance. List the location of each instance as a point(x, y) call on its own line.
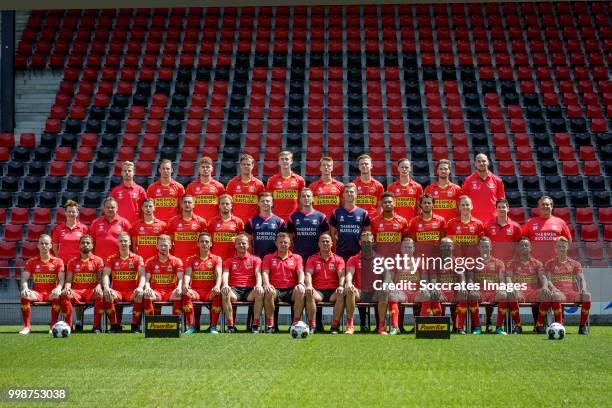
point(162, 326)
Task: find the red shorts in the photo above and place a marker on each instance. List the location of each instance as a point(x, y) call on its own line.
point(203, 293)
point(488, 296)
point(42, 296)
point(82, 295)
point(531, 294)
point(449, 296)
point(163, 295)
point(124, 295)
point(570, 295)
point(410, 296)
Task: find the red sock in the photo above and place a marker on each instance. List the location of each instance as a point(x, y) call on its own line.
point(558, 312)
point(584, 313)
point(515, 313)
point(501, 313)
point(177, 307)
point(66, 306)
point(475, 314)
point(349, 322)
point(436, 308)
point(461, 313)
point(255, 322)
point(188, 310)
point(543, 310)
point(26, 311)
point(215, 311)
point(111, 312)
point(55, 310)
point(394, 312)
point(270, 320)
point(312, 323)
point(137, 313)
point(425, 309)
point(296, 319)
point(98, 312)
point(335, 322)
point(147, 305)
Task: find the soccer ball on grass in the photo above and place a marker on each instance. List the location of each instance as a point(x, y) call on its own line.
point(299, 330)
point(60, 329)
point(555, 331)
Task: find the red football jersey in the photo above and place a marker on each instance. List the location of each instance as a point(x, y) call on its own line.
point(106, 235)
point(543, 232)
point(355, 263)
point(503, 237)
point(282, 272)
point(223, 234)
point(494, 269)
point(167, 198)
point(446, 199)
point(407, 197)
point(525, 272)
point(129, 200)
point(484, 194)
point(465, 233)
point(68, 240)
point(563, 274)
point(203, 271)
point(85, 273)
point(144, 237)
point(184, 235)
point(206, 197)
point(242, 270)
point(427, 231)
point(124, 272)
point(326, 196)
point(368, 195)
point(164, 274)
point(286, 193)
point(44, 273)
point(325, 271)
point(245, 197)
point(388, 234)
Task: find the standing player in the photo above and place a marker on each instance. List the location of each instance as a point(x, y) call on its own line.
point(105, 229)
point(283, 280)
point(224, 228)
point(262, 228)
point(206, 190)
point(445, 193)
point(47, 274)
point(66, 236)
point(306, 226)
point(544, 230)
point(326, 191)
point(202, 282)
point(285, 186)
point(245, 189)
point(125, 271)
point(184, 230)
point(163, 275)
point(484, 188)
point(427, 229)
point(128, 194)
point(465, 230)
point(324, 283)
point(567, 282)
point(407, 192)
point(166, 192)
point(389, 228)
point(145, 231)
point(368, 188)
point(83, 277)
point(242, 283)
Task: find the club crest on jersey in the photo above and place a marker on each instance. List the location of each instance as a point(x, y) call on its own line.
point(248, 264)
point(77, 268)
point(493, 231)
point(79, 234)
point(291, 262)
point(449, 193)
point(158, 191)
point(251, 189)
point(358, 218)
point(508, 232)
point(169, 268)
point(172, 192)
point(238, 188)
point(157, 267)
point(141, 229)
point(292, 183)
point(421, 226)
point(341, 218)
point(433, 225)
point(332, 266)
point(471, 229)
point(131, 265)
point(194, 226)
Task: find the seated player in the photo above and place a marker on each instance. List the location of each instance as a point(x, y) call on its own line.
point(567, 284)
point(465, 230)
point(47, 273)
point(83, 277)
point(123, 280)
point(202, 282)
point(283, 280)
point(242, 283)
point(528, 270)
point(492, 272)
point(324, 283)
point(163, 277)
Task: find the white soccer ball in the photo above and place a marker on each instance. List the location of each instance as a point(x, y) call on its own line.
point(60, 329)
point(299, 330)
point(555, 331)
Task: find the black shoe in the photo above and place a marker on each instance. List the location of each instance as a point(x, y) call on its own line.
point(402, 330)
point(231, 329)
point(517, 330)
point(333, 330)
point(489, 328)
point(312, 330)
point(460, 331)
point(364, 329)
point(271, 330)
point(255, 328)
point(114, 329)
point(583, 330)
point(539, 330)
point(411, 331)
point(96, 330)
point(135, 329)
point(78, 328)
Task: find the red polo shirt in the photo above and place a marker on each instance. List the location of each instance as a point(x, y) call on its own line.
point(282, 272)
point(484, 194)
point(129, 200)
point(242, 270)
point(67, 239)
point(503, 237)
point(325, 271)
point(106, 235)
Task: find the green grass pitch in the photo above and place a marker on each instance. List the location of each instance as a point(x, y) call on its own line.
point(323, 370)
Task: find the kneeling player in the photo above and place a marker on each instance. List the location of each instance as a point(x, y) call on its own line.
point(283, 280)
point(47, 273)
point(123, 280)
point(83, 274)
point(202, 282)
point(563, 273)
point(242, 283)
point(324, 283)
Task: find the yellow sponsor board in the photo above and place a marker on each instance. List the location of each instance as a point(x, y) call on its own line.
point(432, 327)
point(162, 326)
point(224, 237)
point(207, 199)
point(465, 239)
point(366, 199)
point(185, 236)
point(85, 278)
point(445, 204)
point(124, 275)
point(164, 278)
point(203, 275)
point(524, 278)
point(326, 200)
point(405, 201)
point(147, 240)
point(388, 237)
point(285, 194)
point(428, 236)
point(245, 199)
point(166, 202)
point(44, 278)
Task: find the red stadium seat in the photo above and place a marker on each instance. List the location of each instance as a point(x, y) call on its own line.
point(57, 168)
point(527, 168)
point(608, 236)
point(570, 168)
point(506, 168)
point(589, 232)
point(41, 216)
point(463, 168)
point(8, 250)
point(502, 153)
point(461, 153)
point(87, 215)
point(594, 250)
point(20, 216)
point(605, 215)
point(29, 249)
point(566, 153)
point(517, 214)
point(585, 215)
point(13, 232)
point(592, 168)
point(524, 153)
point(35, 231)
point(563, 213)
point(79, 168)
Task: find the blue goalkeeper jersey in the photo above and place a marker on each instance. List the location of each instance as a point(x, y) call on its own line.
point(349, 226)
point(307, 229)
point(263, 231)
